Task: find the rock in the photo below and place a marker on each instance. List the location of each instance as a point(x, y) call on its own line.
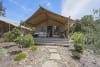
point(28, 66)
point(66, 63)
point(53, 50)
point(52, 46)
point(55, 56)
point(73, 64)
point(3, 52)
point(50, 64)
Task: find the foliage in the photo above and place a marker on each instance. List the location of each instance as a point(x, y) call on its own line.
point(2, 9)
point(97, 35)
point(76, 55)
point(33, 48)
point(25, 41)
point(7, 36)
point(88, 23)
point(76, 27)
point(78, 41)
point(15, 33)
point(20, 41)
point(78, 47)
point(91, 30)
point(96, 13)
point(97, 24)
point(85, 24)
point(90, 38)
point(12, 35)
point(87, 20)
point(78, 37)
point(20, 57)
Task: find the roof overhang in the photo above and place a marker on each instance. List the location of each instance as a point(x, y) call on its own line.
point(7, 22)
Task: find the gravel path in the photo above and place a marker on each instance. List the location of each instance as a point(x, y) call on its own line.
point(43, 56)
point(48, 56)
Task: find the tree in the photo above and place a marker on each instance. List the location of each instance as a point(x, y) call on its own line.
point(76, 27)
point(85, 24)
point(2, 9)
point(89, 25)
point(96, 13)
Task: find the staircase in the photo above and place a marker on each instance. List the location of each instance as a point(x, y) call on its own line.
point(53, 41)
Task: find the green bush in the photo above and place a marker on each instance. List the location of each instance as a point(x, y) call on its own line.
point(79, 41)
point(78, 47)
point(20, 57)
point(33, 48)
point(78, 37)
point(29, 40)
point(7, 36)
point(76, 55)
point(76, 26)
point(25, 41)
point(12, 35)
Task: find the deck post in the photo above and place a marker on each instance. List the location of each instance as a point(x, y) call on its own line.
point(9, 27)
point(68, 27)
point(65, 29)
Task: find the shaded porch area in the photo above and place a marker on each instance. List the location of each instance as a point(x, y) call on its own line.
point(6, 26)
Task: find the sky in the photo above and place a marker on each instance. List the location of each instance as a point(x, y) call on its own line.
point(21, 10)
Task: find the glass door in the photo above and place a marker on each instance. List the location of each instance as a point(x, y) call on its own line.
point(49, 31)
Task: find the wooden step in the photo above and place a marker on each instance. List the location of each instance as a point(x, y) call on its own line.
point(52, 41)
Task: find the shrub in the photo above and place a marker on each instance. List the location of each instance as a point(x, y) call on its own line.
point(78, 37)
point(78, 47)
point(76, 55)
point(25, 41)
point(7, 36)
point(76, 27)
point(20, 56)
point(12, 35)
point(33, 48)
point(29, 40)
point(20, 41)
point(79, 41)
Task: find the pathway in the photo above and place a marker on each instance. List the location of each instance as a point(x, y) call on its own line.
point(44, 56)
point(50, 56)
point(54, 56)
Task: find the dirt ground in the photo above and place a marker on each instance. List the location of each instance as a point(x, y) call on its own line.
point(41, 55)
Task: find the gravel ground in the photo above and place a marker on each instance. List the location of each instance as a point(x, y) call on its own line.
point(88, 59)
point(38, 57)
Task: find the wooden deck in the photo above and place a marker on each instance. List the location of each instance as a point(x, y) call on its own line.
point(53, 41)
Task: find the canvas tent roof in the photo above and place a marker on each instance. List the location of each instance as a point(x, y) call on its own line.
point(43, 14)
point(26, 28)
point(6, 21)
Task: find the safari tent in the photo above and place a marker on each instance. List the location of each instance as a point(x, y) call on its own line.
point(49, 24)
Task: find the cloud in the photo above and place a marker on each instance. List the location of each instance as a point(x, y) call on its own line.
point(73, 7)
point(21, 6)
point(26, 9)
point(48, 4)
